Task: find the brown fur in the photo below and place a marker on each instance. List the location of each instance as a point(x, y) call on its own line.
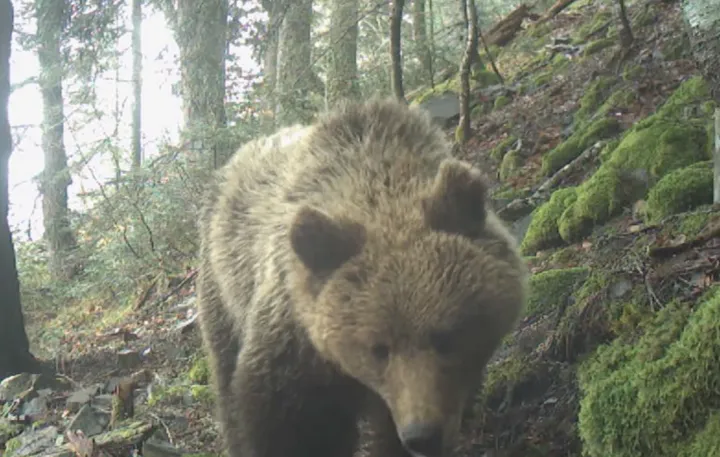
point(351, 268)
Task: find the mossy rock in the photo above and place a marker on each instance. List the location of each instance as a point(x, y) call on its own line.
point(666, 141)
point(551, 289)
point(579, 141)
point(676, 49)
point(498, 152)
point(656, 396)
point(645, 15)
point(501, 101)
point(543, 231)
point(598, 45)
point(511, 163)
point(559, 62)
point(681, 190)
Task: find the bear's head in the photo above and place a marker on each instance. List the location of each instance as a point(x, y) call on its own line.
point(414, 320)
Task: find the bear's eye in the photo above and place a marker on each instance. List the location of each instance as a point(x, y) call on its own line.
point(381, 351)
point(442, 342)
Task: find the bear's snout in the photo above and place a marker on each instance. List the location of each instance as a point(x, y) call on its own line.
point(423, 439)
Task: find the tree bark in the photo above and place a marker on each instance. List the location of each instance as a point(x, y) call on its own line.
point(15, 356)
point(421, 40)
point(702, 19)
point(201, 34)
point(342, 73)
point(137, 83)
point(295, 76)
point(51, 21)
point(275, 10)
point(471, 50)
point(396, 17)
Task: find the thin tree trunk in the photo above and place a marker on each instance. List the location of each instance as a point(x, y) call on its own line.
point(137, 83)
point(431, 41)
point(490, 56)
point(625, 31)
point(470, 51)
point(396, 18)
point(275, 10)
point(15, 356)
point(56, 175)
point(342, 74)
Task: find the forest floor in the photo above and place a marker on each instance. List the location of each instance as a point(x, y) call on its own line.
point(532, 400)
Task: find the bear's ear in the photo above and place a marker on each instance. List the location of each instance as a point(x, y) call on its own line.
point(456, 203)
point(322, 243)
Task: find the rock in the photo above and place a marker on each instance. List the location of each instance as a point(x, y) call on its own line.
point(442, 108)
point(77, 400)
point(33, 442)
point(128, 358)
point(102, 402)
point(8, 430)
point(90, 421)
point(620, 288)
point(36, 408)
point(520, 227)
point(12, 387)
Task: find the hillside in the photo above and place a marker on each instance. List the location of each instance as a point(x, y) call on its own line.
point(600, 163)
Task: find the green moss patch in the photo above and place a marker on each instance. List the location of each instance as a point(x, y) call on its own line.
point(498, 152)
point(501, 101)
point(543, 231)
point(595, 95)
point(681, 190)
point(598, 21)
point(580, 140)
point(657, 396)
point(511, 163)
point(550, 289)
point(597, 46)
point(199, 372)
point(668, 140)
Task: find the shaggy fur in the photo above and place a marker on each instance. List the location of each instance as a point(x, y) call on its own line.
point(351, 268)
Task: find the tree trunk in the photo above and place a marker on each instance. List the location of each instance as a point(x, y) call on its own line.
point(275, 10)
point(702, 19)
point(201, 35)
point(137, 83)
point(51, 19)
point(342, 73)
point(396, 17)
point(15, 356)
point(421, 39)
point(471, 50)
point(624, 30)
point(295, 76)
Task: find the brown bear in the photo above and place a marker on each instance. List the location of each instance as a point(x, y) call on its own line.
point(352, 269)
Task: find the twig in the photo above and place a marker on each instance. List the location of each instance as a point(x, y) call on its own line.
point(164, 426)
point(187, 279)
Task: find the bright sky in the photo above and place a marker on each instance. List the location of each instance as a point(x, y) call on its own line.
point(161, 118)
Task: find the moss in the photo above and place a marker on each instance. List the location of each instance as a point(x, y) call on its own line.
point(511, 163)
point(498, 152)
point(645, 16)
point(485, 78)
point(706, 442)
point(580, 140)
point(509, 193)
point(550, 289)
point(539, 29)
point(656, 396)
point(504, 375)
point(597, 46)
point(675, 49)
point(11, 446)
point(459, 134)
point(692, 224)
point(559, 62)
point(622, 98)
point(199, 372)
point(203, 394)
point(543, 229)
point(542, 79)
point(593, 98)
point(598, 21)
point(501, 101)
point(681, 190)
point(666, 141)
point(632, 72)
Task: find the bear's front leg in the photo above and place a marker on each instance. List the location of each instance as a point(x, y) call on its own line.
point(276, 409)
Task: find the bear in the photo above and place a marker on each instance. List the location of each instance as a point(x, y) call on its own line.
point(351, 272)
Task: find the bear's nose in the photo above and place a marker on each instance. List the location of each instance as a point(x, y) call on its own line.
point(423, 439)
